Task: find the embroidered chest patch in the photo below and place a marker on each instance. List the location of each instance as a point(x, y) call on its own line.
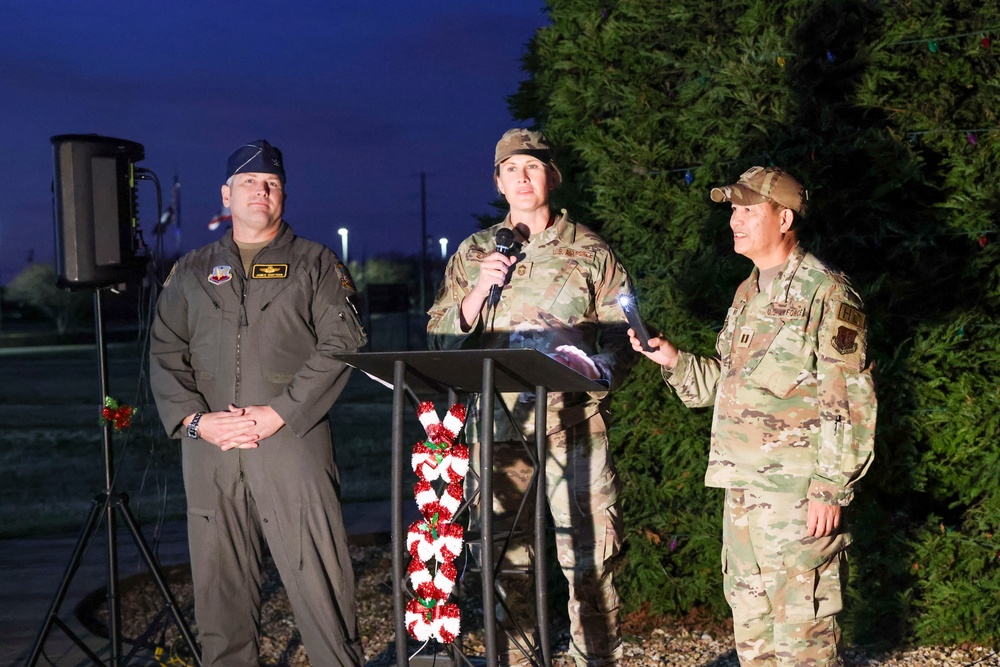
point(268, 271)
point(783, 310)
point(570, 252)
point(220, 274)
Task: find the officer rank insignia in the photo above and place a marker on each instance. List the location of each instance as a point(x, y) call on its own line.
point(269, 271)
point(220, 274)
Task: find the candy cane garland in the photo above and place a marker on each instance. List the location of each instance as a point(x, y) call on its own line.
point(436, 538)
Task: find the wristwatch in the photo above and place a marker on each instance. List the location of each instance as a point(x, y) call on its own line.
point(192, 428)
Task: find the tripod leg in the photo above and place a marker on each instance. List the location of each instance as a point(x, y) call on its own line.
point(161, 583)
point(100, 503)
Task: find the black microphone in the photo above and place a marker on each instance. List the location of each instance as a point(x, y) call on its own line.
point(504, 240)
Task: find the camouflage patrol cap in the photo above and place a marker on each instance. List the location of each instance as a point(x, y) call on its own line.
point(520, 141)
point(760, 184)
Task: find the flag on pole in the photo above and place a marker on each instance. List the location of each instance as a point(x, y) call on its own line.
point(223, 216)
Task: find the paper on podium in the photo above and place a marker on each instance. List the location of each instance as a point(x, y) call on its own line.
point(515, 370)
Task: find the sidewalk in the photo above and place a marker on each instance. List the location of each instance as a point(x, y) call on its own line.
point(32, 569)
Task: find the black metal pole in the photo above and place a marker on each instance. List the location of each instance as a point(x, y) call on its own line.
point(109, 502)
point(488, 567)
point(398, 529)
point(423, 243)
point(541, 514)
point(111, 519)
point(99, 504)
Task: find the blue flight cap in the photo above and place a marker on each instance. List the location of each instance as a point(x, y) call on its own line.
point(257, 156)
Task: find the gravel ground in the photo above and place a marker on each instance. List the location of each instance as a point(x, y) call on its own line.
point(647, 643)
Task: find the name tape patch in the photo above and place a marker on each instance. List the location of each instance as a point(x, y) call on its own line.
point(268, 271)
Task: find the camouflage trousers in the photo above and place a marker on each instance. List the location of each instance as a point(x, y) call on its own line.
point(582, 490)
point(783, 586)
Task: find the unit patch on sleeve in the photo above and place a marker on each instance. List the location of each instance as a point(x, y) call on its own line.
point(268, 271)
point(345, 278)
point(846, 340)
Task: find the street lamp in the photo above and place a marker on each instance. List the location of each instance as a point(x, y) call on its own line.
point(444, 247)
point(343, 244)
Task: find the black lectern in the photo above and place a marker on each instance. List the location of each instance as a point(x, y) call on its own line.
point(486, 372)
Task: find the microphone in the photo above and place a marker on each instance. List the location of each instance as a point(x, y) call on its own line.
point(504, 240)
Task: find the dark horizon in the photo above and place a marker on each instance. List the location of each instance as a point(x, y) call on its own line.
point(360, 101)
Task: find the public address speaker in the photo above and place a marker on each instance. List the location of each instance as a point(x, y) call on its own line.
point(97, 236)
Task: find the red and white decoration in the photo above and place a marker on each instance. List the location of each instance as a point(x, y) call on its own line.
point(435, 540)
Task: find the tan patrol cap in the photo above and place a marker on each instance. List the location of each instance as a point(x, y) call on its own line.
point(759, 184)
point(520, 141)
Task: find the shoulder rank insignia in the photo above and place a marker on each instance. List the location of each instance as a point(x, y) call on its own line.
point(345, 278)
point(173, 270)
point(267, 271)
point(846, 340)
point(220, 274)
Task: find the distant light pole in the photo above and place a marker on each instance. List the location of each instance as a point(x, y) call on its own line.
point(343, 244)
point(444, 247)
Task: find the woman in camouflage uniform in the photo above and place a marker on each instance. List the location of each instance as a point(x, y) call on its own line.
point(560, 287)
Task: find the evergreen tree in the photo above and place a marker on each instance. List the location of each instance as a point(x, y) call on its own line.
point(885, 111)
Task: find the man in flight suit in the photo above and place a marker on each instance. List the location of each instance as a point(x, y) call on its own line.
point(243, 373)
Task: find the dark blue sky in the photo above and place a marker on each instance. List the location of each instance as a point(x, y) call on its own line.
point(361, 97)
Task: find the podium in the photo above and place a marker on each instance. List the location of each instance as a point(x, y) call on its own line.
point(470, 371)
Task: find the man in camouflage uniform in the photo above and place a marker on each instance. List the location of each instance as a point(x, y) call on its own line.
point(793, 429)
point(560, 286)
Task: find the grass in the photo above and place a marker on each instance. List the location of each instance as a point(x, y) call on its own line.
point(51, 445)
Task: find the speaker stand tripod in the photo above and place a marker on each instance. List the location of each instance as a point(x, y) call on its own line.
point(111, 504)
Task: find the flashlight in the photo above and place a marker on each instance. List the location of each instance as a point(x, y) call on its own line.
point(631, 310)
